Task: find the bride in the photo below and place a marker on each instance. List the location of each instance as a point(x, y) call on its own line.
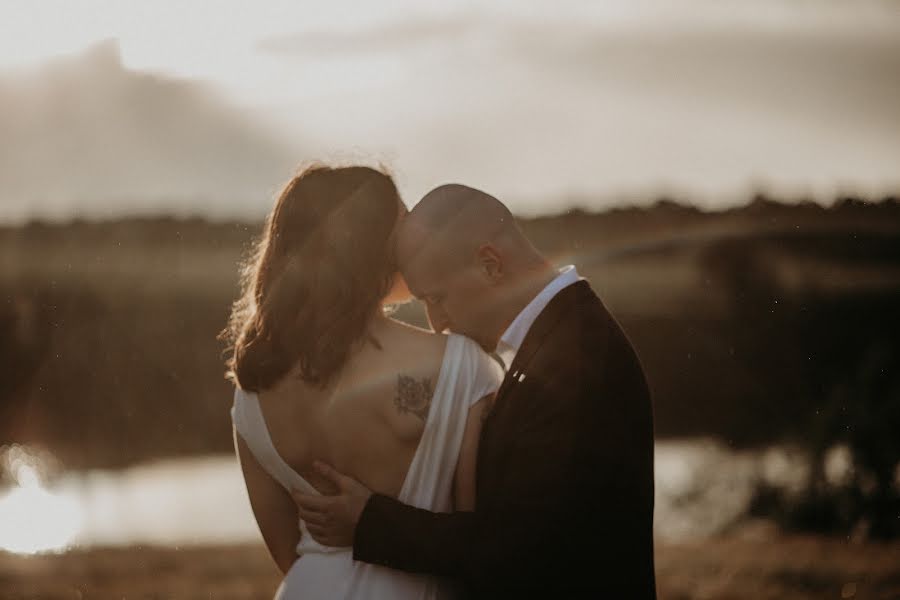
point(322, 373)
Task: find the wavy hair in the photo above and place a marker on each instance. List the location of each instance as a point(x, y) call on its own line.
point(317, 275)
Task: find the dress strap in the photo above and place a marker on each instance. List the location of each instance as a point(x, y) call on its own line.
point(250, 423)
point(429, 481)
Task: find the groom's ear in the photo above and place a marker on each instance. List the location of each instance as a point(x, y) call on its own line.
point(490, 262)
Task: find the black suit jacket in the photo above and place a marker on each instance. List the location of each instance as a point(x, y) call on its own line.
point(565, 474)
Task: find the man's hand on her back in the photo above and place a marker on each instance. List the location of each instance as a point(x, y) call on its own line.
point(331, 520)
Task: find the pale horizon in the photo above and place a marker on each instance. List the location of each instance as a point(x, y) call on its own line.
point(110, 110)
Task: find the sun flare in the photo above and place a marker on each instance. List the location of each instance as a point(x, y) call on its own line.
point(34, 519)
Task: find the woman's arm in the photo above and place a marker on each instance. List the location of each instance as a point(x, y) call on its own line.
point(464, 480)
point(273, 507)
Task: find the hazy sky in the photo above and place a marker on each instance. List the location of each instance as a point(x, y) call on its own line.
point(538, 102)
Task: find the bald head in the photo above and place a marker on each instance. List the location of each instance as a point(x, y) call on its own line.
point(451, 221)
point(458, 206)
point(462, 253)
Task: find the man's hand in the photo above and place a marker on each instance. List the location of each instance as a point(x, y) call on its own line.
point(331, 520)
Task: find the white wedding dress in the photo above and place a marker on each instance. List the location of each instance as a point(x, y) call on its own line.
point(467, 374)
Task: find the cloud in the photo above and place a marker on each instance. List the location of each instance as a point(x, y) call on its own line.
point(85, 132)
point(532, 108)
point(387, 37)
point(528, 100)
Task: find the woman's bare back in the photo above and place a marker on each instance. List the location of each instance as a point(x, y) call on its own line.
point(368, 421)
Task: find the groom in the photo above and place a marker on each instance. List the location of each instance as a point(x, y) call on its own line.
point(565, 461)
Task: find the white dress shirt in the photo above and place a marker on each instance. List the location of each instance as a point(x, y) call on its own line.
point(515, 334)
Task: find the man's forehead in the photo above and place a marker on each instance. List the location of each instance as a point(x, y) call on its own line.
point(418, 244)
point(428, 271)
point(428, 253)
point(421, 270)
point(411, 239)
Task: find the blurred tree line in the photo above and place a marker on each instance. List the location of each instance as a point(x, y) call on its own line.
point(827, 364)
point(784, 327)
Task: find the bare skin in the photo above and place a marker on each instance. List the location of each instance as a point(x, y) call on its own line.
point(368, 423)
point(463, 255)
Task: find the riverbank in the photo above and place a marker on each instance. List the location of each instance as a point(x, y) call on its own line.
point(750, 565)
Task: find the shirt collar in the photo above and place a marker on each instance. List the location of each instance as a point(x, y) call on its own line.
point(512, 338)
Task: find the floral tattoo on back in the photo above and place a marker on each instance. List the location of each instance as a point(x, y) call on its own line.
point(413, 396)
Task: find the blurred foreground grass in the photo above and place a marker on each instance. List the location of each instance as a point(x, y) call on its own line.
point(735, 567)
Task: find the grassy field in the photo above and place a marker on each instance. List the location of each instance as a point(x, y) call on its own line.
point(737, 567)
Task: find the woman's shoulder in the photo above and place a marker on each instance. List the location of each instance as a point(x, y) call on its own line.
point(483, 369)
point(470, 347)
point(423, 347)
point(441, 347)
point(422, 340)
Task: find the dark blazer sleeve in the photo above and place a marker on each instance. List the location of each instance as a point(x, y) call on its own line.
point(501, 536)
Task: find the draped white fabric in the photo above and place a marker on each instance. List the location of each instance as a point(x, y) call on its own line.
point(467, 375)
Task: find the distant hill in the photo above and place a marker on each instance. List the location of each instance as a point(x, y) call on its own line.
point(85, 130)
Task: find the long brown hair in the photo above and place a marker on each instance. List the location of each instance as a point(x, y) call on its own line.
point(323, 265)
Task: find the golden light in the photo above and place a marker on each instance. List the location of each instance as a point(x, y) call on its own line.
point(32, 518)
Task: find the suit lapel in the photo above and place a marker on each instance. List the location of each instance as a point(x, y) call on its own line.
point(498, 419)
point(561, 305)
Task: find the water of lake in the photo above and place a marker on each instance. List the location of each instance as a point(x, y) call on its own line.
point(702, 487)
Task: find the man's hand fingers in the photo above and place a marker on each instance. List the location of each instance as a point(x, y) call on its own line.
point(323, 516)
point(327, 471)
point(310, 502)
point(313, 518)
point(323, 536)
point(318, 533)
point(314, 509)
